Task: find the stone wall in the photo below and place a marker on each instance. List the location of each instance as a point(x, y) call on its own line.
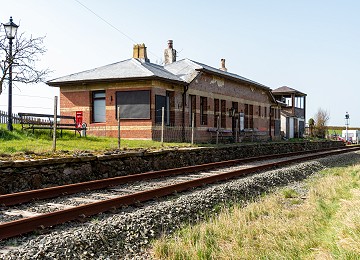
point(18, 176)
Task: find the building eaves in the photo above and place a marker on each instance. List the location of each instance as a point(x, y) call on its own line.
point(287, 90)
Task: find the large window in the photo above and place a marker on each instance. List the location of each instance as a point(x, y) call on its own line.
point(249, 116)
point(203, 110)
point(134, 104)
point(99, 107)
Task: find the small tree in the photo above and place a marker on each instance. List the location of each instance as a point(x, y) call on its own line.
point(321, 119)
point(25, 55)
point(311, 127)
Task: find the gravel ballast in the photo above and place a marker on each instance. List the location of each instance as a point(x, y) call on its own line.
point(125, 235)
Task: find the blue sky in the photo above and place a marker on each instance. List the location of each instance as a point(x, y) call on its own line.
point(312, 46)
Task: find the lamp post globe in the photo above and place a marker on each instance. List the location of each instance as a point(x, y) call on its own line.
point(10, 30)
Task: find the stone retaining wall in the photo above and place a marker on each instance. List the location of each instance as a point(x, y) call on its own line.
point(18, 176)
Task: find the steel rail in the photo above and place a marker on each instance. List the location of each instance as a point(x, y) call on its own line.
point(18, 227)
point(12, 199)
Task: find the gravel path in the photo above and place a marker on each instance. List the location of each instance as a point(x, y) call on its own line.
point(124, 235)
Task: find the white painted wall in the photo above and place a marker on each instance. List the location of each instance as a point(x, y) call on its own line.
point(291, 127)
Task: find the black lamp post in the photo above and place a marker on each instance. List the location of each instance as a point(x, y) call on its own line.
point(347, 122)
point(10, 29)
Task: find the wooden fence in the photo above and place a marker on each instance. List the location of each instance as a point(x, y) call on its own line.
point(4, 118)
point(16, 118)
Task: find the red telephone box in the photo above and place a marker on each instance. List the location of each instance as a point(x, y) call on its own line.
point(79, 119)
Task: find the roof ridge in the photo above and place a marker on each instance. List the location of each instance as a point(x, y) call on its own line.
point(138, 63)
point(161, 68)
point(204, 66)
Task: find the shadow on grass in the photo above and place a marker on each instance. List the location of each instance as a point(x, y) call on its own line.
point(6, 135)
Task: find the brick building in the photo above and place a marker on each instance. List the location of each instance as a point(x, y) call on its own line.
point(214, 100)
point(293, 111)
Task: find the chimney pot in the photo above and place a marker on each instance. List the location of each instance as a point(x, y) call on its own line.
point(139, 52)
point(169, 53)
point(223, 68)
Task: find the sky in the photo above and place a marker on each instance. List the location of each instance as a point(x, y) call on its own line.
point(311, 46)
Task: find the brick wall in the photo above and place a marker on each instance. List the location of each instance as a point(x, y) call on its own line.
point(79, 98)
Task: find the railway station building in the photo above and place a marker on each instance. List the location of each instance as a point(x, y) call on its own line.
point(293, 111)
point(199, 101)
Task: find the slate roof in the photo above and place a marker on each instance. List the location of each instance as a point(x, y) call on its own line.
point(185, 70)
point(130, 69)
point(180, 72)
point(286, 90)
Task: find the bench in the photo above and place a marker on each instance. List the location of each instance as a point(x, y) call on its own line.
point(254, 135)
point(46, 121)
point(223, 135)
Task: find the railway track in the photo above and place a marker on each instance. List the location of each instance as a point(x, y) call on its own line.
point(117, 195)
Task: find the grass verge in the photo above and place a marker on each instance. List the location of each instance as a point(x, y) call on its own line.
point(322, 223)
point(40, 141)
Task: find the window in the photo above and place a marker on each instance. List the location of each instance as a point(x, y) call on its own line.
point(235, 106)
point(203, 110)
point(98, 107)
point(192, 111)
point(216, 112)
point(259, 111)
point(170, 95)
point(265, 112)
point(223, 114)
point(160, 102)
point(134, 104)
point(168, 103)
point(249, 116)
point(246, 125)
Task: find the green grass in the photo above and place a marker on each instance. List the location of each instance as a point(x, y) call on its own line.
point(325, 224)
point(24, 141)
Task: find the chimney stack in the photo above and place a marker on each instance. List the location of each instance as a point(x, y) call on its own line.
point(223, 68)
point(139, 52)
point(169, 53)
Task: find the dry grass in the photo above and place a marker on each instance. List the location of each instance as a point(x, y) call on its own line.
point(284, 225)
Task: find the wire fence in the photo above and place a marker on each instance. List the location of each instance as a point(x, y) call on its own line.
point(175, 134)
point(162, 132)
point(166, 133)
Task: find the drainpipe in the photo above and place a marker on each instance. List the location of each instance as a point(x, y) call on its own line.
point(186, 88)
